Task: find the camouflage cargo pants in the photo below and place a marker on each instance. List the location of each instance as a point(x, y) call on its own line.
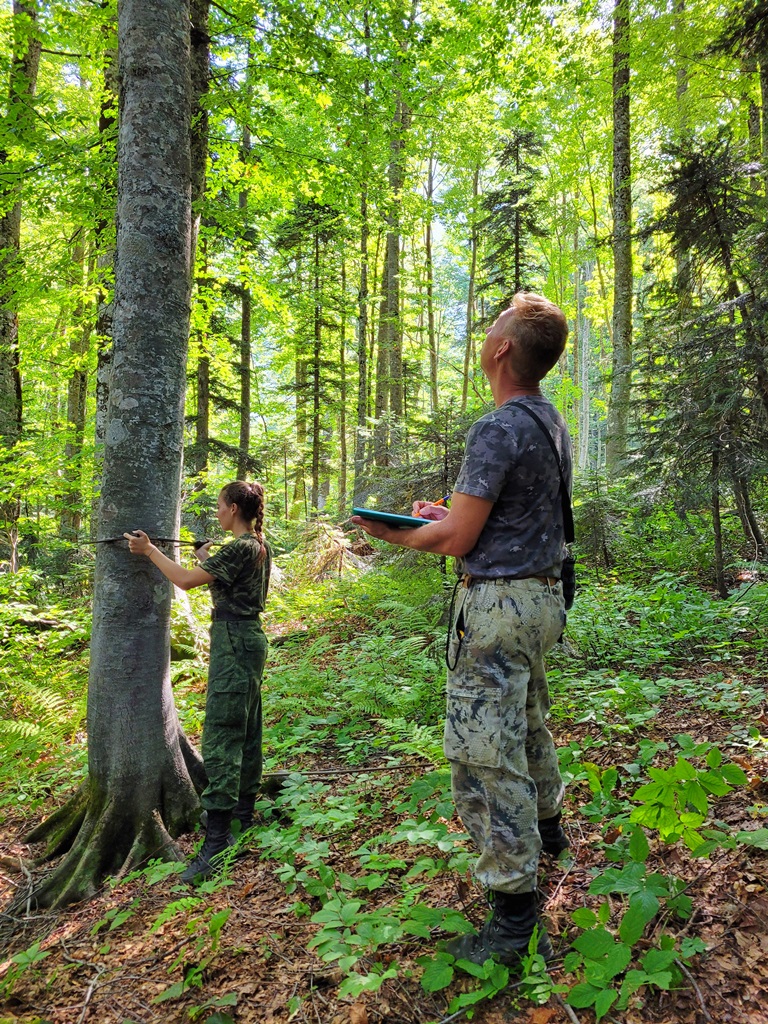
point(233, 724)
point(504, 766)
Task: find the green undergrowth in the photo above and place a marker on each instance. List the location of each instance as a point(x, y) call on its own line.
point(356, 680)
point(367, 682)
point(43, 666)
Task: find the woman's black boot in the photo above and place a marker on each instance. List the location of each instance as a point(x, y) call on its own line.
point(506, 934)
point(243, 812)
point(218, 838)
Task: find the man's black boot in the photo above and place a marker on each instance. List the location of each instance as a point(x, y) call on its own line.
point(553, 838)
point(506, 934)
point(218, 838)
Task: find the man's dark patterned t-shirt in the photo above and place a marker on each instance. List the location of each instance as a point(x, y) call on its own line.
point(507, 460)
point(240, 583)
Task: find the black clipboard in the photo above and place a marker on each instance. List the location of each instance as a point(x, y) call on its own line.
point(390, 518)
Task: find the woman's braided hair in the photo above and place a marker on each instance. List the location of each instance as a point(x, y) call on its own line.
point(249, 498)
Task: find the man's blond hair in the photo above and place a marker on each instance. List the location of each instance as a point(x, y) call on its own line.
point(540, 331)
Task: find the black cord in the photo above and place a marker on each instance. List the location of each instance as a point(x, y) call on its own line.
point(451, 626)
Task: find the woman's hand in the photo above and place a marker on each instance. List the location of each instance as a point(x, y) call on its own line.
point(426, 510)
point(203, 550)
point(139, 542)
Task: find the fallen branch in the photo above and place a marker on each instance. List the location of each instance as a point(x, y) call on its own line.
point(684, 970)
point(568, 1010)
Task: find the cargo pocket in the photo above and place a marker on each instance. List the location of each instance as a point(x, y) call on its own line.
point(473, 727)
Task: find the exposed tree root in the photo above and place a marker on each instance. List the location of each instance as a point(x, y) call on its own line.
point(155, 837)
point(103, 835)
point(59, 829)
point(102, 847)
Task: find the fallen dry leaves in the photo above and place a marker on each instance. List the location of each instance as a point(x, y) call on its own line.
point(112, 977)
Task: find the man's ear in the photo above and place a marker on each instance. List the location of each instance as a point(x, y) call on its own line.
point(503, 349)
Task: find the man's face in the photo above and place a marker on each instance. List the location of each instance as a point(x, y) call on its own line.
point(494, 335)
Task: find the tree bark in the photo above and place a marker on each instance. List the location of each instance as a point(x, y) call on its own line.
point(317, 343)
point(361, 432)
point(139, 792)
point(200, 73)
point(621, 371)
point(434, 393)
point(22, 83)
point(25, 62)
point(468, 346)
point(105, 262)
point(717, 522)
point(343, 511)
point(77, 386)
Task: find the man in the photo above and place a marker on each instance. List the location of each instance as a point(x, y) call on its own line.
point(505, 523)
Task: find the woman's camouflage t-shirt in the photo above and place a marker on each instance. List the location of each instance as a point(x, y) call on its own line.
point(240, 583)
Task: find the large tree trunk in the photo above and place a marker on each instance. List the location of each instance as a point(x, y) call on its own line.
point(343, 511)
point(139, 792)
point(362, 356)
point(23, 79)
point(317, 343)
point(621, 371)
point(244, 444)
point(434, 394)
point(80, 333)
point(389, 367)
point(105, 261)
point(200, 74)
point(22, 83)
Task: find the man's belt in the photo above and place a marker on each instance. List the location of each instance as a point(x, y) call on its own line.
point(222, 616)
point(468, 580)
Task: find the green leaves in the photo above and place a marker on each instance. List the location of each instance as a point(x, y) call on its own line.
point(758, 838)
point(438, 971)
point(676, 802)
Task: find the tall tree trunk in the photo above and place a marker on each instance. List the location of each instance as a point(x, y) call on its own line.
point(105, 262)
point(22, 83)
point(389, 387)
point(621, 371)
point(139, 792)
point(317, 336)
point(342, 505)
point(245, 300)
point(363, 383)
point(300, 390)
point(717, 522)
point(434, 394)
point(752, 531)
point(25, 62)
point(470, 319)
point(71, 516)
point(200, 75)
point(362, 355)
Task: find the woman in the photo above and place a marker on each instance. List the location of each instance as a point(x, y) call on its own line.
point(238, 575)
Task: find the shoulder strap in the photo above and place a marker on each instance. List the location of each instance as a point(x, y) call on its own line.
point(565, 497)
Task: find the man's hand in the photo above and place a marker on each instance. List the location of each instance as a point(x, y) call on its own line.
point(453, 531)
point(374, 527)
point(426, 510)
point(138, 542)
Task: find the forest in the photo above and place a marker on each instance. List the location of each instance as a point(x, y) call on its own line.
point(264, 242)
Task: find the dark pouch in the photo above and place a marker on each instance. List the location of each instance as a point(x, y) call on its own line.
point(568, 579)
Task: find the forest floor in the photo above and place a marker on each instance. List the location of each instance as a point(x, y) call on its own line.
point(335, 911)
point(108, 960)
